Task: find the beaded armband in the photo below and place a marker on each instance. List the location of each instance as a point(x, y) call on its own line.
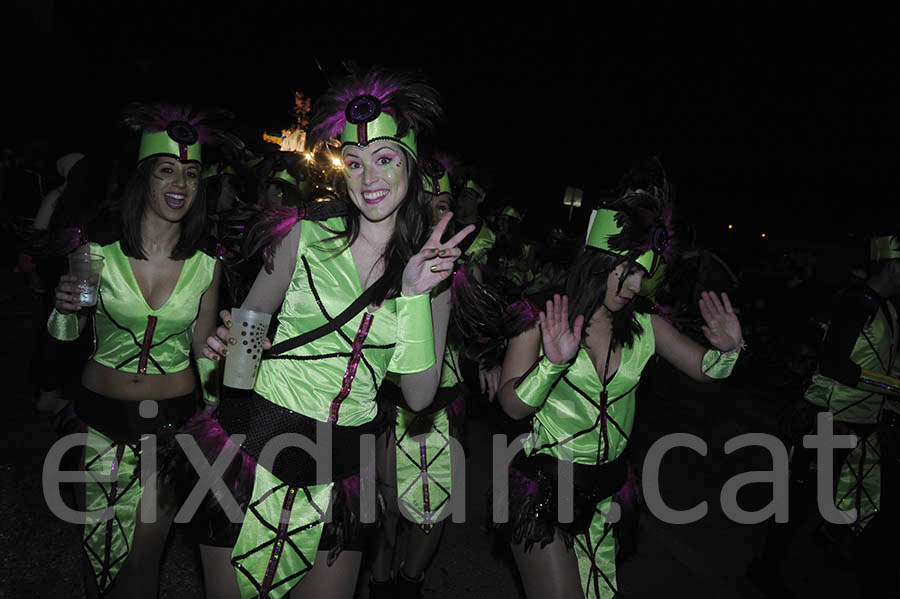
point(414, 351)
point(63, 326)
point(535, 386)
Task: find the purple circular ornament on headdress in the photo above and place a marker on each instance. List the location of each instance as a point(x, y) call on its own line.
point(433, 168)
point(182, 132)
point(363, 109)
point(659, 239)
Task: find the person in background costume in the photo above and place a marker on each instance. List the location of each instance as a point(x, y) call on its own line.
point(50, 263)
point(414, 455)
point(511, 259)
point(856, 381)
point(283, 180)
point(478, 245)
point(156, 305)
point(222, 190)
point(575, 375)
point(375, 265)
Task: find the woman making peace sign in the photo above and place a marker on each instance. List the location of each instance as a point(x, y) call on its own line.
point(383, 242)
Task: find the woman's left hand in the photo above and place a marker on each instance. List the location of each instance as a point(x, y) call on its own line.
point(489, 381)
point(434, 262)
point(722, 328)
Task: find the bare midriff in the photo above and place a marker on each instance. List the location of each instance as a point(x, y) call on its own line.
point(130, 386)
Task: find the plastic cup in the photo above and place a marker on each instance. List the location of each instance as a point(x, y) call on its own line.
point(86, 268)
point(249, 328)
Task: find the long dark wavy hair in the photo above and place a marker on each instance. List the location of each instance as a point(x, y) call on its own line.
point(133, 204)
point(586, 288)
point(412, 228)
point(413, 105)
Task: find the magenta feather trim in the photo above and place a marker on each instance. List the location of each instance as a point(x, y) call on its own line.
point(629, 495)
point(212, 440)
point(269, 230)
point(527, 486)
point(457, 407)
point(523, 316)
point(157, 117)
point(412, 103)
point(653, 220)
point(40, 242)
point(379, 85)
point(447, 161)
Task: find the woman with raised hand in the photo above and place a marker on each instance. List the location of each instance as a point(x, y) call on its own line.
point(576, 375)
point(353, 293)
point(155, 307)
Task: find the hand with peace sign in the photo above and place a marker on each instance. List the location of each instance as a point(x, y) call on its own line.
point(434, 262)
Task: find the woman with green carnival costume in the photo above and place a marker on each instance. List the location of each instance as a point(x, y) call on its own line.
point(353, 294)
point(575, 375)
point(413, 456)
point(857, 382)
point(155, 307)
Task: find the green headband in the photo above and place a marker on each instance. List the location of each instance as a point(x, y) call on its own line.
point(511, 212)
point(383, 127)
point(884, 248)
point(476, 188)
point(214, 170)
point(603, 226)
point(157, 143)
point(436, 187)
point(284, 175)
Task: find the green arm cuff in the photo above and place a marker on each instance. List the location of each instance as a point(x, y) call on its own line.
point(879, 383)
point(414, 351)
point(63, 326)
point(535, 386)
point(209, 380)
point(718, 365)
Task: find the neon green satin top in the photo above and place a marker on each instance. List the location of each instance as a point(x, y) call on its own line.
point(451, 371)
point(575, 415)
point(335, 377)
point(131, 336)
point(480, 247)
point(872, 351)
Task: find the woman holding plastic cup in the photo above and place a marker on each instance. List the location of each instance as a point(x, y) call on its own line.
point(156, 301)
point(353, 293)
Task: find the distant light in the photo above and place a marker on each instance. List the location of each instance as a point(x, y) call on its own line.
point(763, 235)
point(730, 227)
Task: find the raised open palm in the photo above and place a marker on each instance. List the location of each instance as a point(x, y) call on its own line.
point(722, 328)
point(560, 342)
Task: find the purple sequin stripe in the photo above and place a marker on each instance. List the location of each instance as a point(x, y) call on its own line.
point(426, 490)
point(148, 341)
point(111, 501)
point(286, 507)
point(352, 365)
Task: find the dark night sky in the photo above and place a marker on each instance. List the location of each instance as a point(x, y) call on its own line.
point(774, 115)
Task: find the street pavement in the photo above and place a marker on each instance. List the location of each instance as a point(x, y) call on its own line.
point(41, 556)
